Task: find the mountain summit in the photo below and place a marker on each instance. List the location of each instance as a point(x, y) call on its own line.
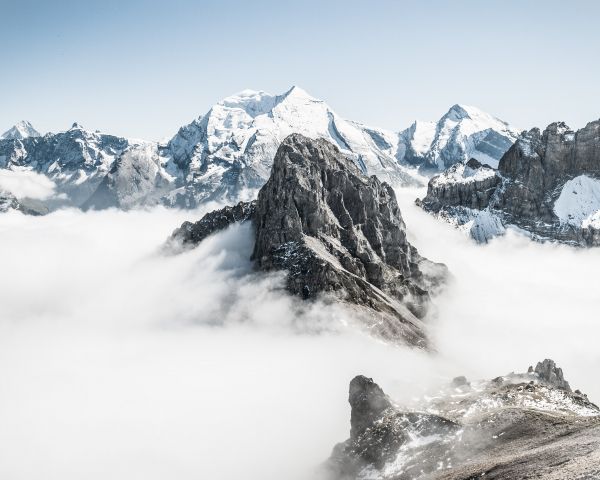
point(19, 131)
point(337, 233)
point(464, 132)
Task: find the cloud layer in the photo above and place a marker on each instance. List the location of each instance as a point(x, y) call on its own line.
point(26, 184)
point(119, 362)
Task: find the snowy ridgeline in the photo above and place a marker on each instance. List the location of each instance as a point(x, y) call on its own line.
point(226, 154)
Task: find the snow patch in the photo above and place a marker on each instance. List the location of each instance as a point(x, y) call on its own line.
point(579, 202)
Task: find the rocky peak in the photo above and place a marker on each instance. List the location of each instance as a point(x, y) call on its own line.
point(337, 231)
point(457, 112)
point(339, 235)
point(20, 131)
point(367, 401)
point(551, 374)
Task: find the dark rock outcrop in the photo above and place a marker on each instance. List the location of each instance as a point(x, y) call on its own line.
point(470, 185)
point(190, 234)
point(338, 233)
point(516, 426)
point(551, 374)
point(532, 175)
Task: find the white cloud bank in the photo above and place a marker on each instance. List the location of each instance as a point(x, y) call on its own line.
point(117, 362)
point(26, 184)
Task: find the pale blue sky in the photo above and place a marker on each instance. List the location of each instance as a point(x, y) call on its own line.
point(143, 68)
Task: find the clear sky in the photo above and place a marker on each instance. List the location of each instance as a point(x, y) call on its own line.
point(144, 68)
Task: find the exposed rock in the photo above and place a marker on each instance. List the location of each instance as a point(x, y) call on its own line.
point(336, 232)
point(460, 381)
point(518, 426)
point(550, 373)
point(547, 184)
point(27, 206)
point(190, 234)
point(379, 429)
point(368, 402)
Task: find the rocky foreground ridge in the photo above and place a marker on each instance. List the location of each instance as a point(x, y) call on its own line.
point(517, 426)
point(336, 232)
point(547, 185)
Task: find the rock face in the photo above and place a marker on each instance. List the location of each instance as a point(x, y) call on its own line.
point(76, 160)
point(513, 427)
point(551, 374)
point(547, 184)
point(464, 132)
point(191, 234)
point(337, 233)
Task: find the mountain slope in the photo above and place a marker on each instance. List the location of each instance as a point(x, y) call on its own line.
point(516, 426)
point(547, 184)
point(464, 132)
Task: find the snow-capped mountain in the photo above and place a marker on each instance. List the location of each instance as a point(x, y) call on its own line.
point(547, 185)
point(228, 153)
point(21, 130)
point(75, 160)
point(464, 132)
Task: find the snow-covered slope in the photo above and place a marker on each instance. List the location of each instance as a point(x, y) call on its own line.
point(75, 160)
point(464, 132)
point(579, 202)
point(227, 153)
point(21, 130)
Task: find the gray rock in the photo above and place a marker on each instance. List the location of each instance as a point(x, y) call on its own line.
point(337, 233)
point(507, 429)
point(190, 234)
point(550, 373)
point(531, 176)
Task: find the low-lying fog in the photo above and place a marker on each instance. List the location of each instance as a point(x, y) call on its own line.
point(119, 362)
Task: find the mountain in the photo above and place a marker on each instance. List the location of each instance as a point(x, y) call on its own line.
point(27, 206)
point(75, 160)
point(464, 132)
point(227, 154)
point(338, 234)
point(516, 426)
point(547, 185)
point(21, 130)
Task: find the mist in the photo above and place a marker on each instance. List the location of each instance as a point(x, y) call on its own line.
point(26, 184)
point(118, 361)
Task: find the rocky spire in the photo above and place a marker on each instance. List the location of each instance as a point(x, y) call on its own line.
point(338, 234)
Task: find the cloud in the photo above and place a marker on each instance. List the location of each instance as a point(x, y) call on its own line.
point(26, 184)
point(117, 361)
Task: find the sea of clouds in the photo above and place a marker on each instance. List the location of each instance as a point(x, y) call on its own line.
point(120, 361)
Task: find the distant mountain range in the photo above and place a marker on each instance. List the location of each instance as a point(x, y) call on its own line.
point(226, 154)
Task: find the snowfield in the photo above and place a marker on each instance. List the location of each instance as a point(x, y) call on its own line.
point(579, 202)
